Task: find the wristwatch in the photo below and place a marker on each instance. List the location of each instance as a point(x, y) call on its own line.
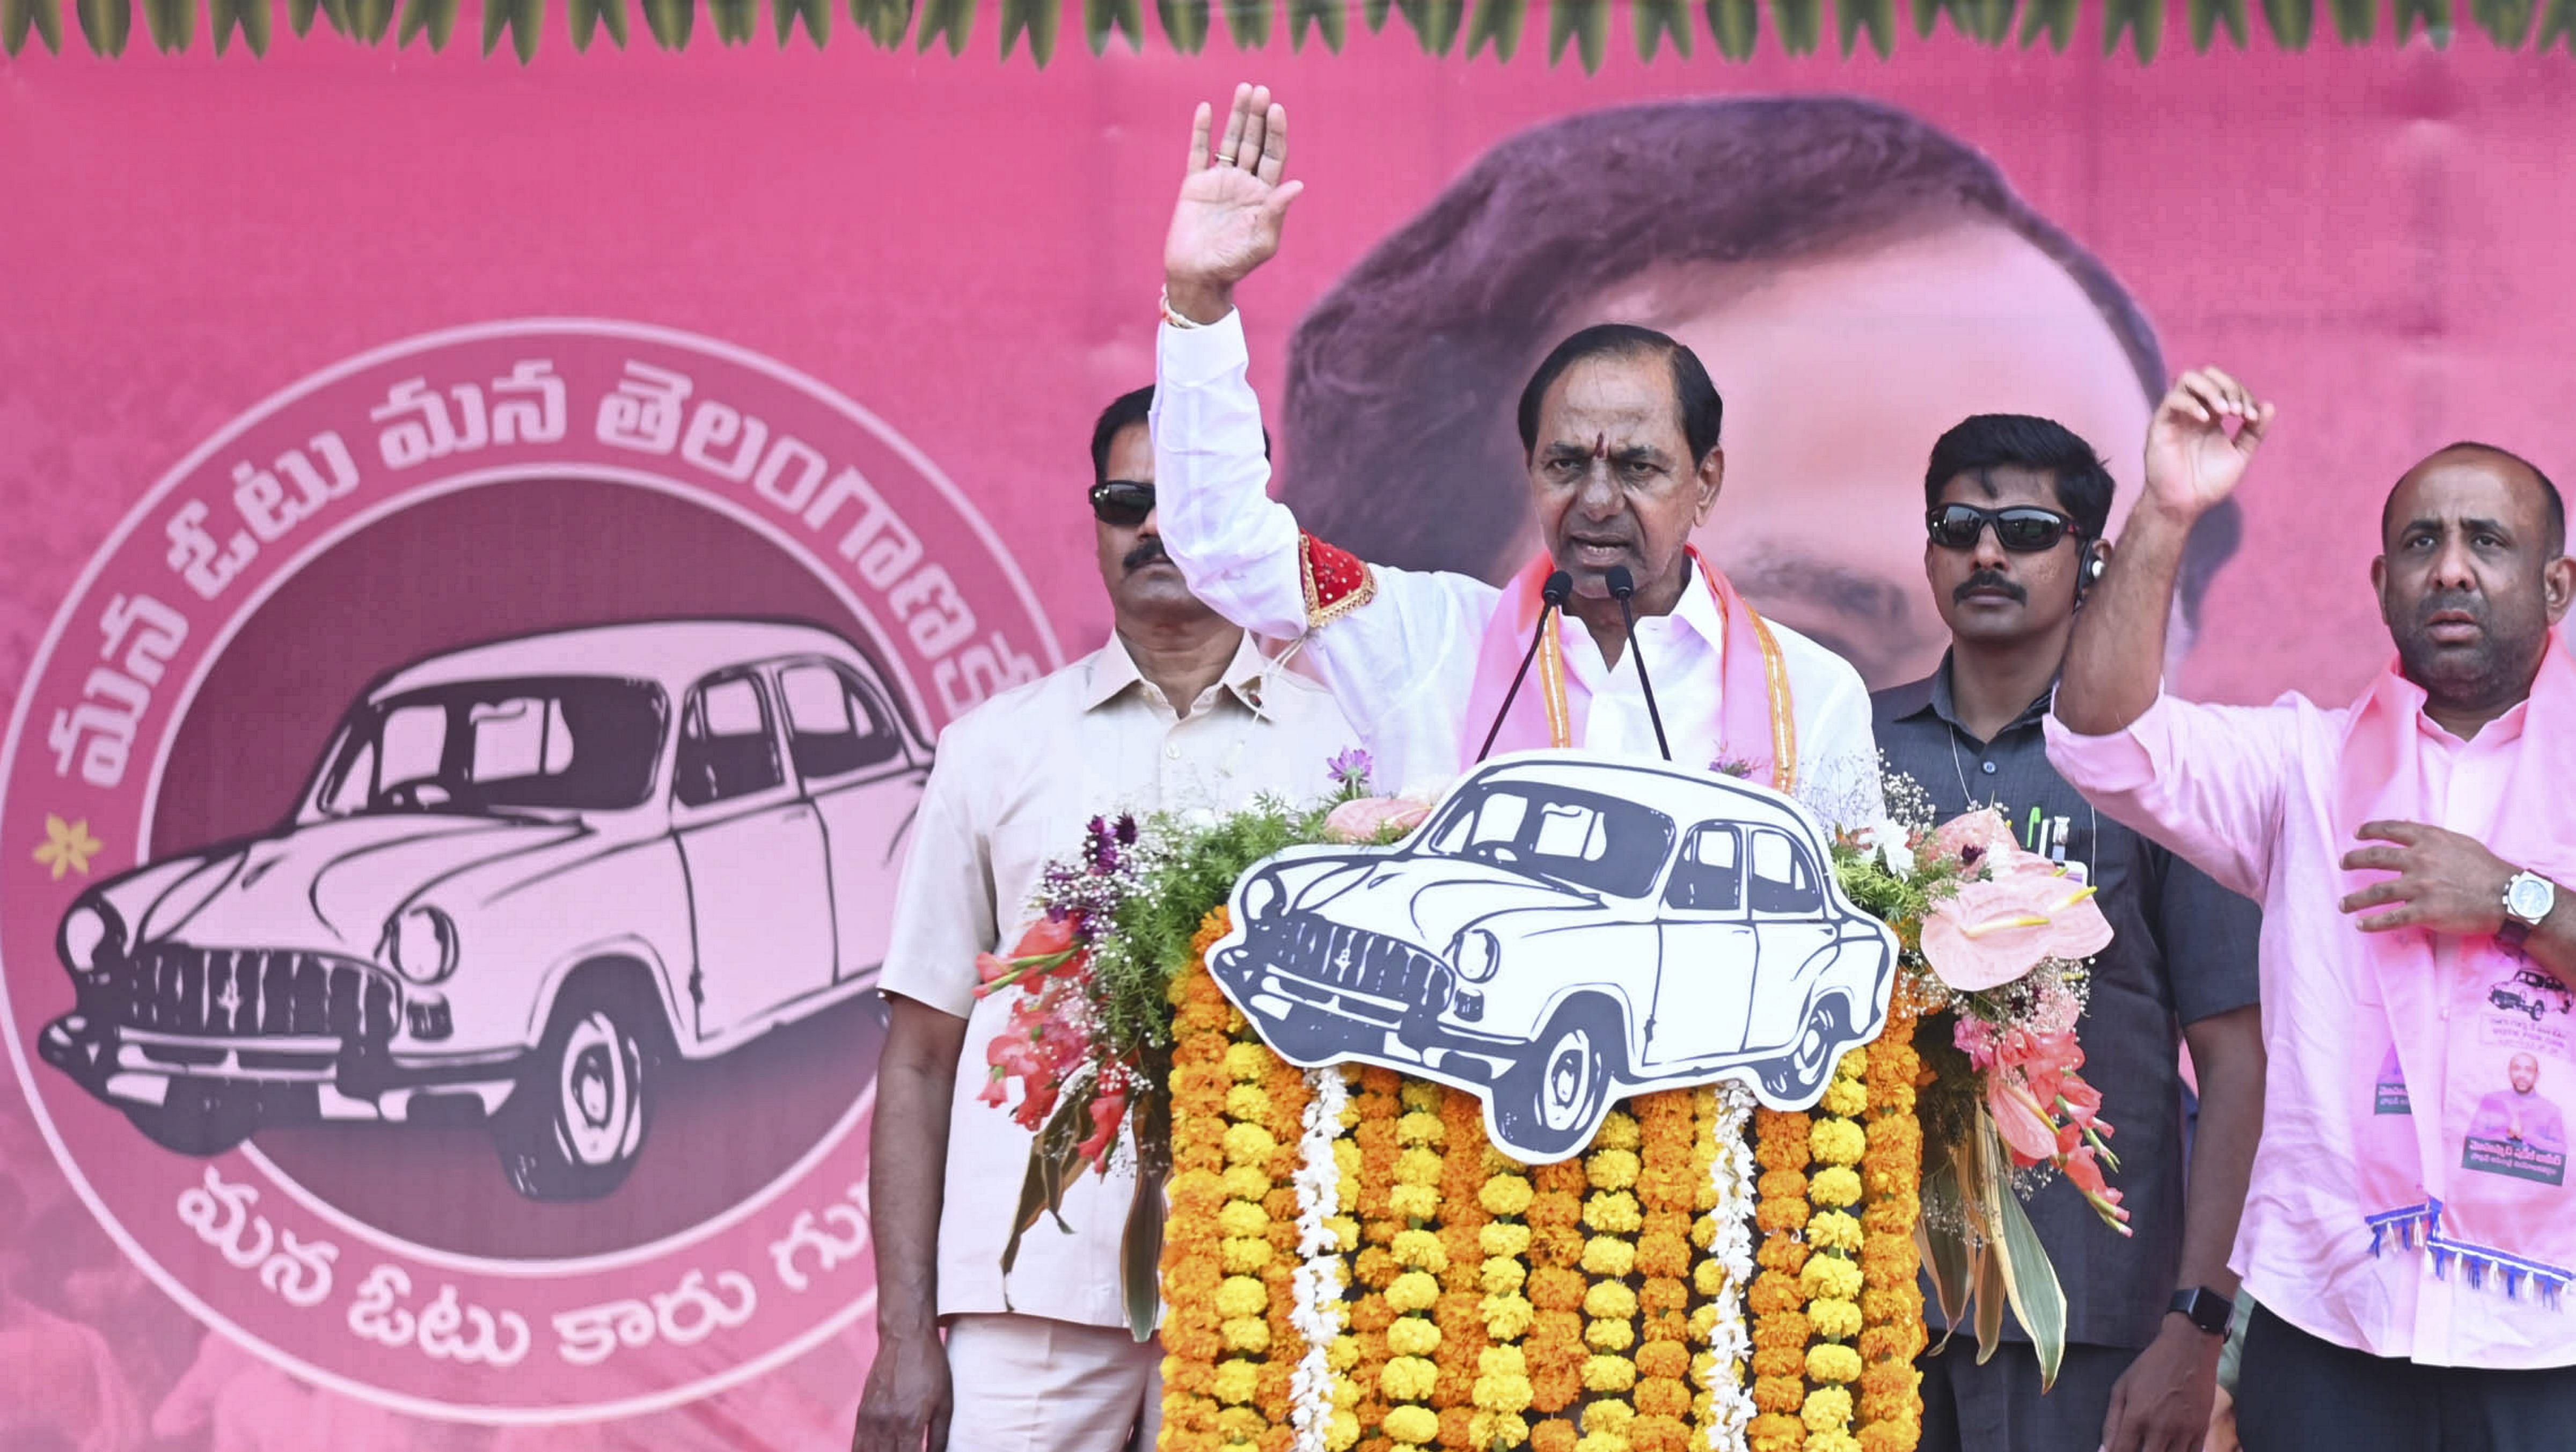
point(2207, 1310)
point(2527, 901)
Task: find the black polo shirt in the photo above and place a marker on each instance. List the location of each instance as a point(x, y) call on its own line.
point(2182, 949)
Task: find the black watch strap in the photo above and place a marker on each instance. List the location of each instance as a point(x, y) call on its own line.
point(2204, 1308)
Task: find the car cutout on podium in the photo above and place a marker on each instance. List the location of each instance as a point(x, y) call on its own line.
point(525, 876)
point(1561, 932)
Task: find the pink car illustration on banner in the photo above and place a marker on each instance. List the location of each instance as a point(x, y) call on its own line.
point(524, 875)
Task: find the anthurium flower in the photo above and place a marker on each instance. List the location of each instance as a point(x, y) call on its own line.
point(1991, 933)
point(2025, 1127)
point(1969, 839)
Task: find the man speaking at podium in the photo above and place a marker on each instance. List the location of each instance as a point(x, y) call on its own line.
point(1620, 429)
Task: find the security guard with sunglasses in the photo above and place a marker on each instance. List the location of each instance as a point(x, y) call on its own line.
point(1177, 711)
point(2017, 509)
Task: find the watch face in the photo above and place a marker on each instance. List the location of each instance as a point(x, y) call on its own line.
point(2530, 898)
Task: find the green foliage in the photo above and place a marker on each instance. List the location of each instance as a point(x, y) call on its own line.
point(1193, 876)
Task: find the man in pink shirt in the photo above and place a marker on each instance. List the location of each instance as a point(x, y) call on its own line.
point(2411, 1259)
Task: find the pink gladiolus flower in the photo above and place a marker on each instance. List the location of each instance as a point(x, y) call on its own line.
point(1991, 933)
point(1107, 1113)
point(1362, 819)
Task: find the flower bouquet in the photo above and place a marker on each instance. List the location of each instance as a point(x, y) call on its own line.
point(1119, 1043)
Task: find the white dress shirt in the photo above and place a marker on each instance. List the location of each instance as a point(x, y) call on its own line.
point(1403, 665)
point(1015, 782)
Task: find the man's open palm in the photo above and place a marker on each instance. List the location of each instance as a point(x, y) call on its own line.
point(1232, 203)
point(2193, 462)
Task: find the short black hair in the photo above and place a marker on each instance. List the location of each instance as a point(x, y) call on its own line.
point(1694, 394)
point(1988, 441)
point(1397, 374)
point(2553, 508)
point(1124, 412)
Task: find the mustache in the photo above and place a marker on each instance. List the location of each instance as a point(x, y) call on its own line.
point(1989, 580)
point(1148, 550)
point(2467, 602)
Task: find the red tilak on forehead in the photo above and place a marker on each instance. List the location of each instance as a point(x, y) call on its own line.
point(1601, 446)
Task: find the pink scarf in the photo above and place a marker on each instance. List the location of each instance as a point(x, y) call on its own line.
point(1754, 734)
point(2454, 1154)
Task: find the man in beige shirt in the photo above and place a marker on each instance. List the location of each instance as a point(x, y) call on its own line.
point(1179, 711)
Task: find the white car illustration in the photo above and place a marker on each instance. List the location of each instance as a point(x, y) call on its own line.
point(525, 875)
point(1564, 931)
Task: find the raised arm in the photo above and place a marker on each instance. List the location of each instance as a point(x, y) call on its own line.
point(1239, 549)
point(2115, 663)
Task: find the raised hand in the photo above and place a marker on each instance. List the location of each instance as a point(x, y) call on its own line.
point(2193, 461)
point(1232, 204)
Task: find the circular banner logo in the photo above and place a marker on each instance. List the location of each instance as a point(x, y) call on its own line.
point(451, 834)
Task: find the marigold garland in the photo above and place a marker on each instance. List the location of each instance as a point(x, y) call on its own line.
point(1362, 1271)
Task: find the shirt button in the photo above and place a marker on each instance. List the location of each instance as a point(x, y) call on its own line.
point(1987, 767)
point(1173, 751)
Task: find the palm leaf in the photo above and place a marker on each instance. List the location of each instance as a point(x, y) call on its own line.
point(1140, 1248)
point(1039, 20)
point(2509, 21)
point(2557, 23)
point(2435, 15)
point(1878, 17)
point(527, 22)
point(885, 21)
point(221, 18)
point(1800, 23)
point(2292, 22)
point(2056, 17)
point(2031, 1281)
point(1498, 23)
point(1332, 17)
point(1052, 1166)
point(17, 17)
point(2355, 20)
point(1736, 25)
point(670, 21)
point(1101, 18)
point(256, 23)
point(1927, 14)
point(953, 19)
point(2206, 16)
point(1586, 22)
point(736, 20)
point(1949, 1256)
point(1374, 12)
point(368, 19)
point(1249, 21)
point(1436, 23)
point(173, 23)
point(105, 24)
point(438, 17)
point(1656, 19)
point(1185, 23)
point(337, 12)
point(299, 16)
point(1986, 21)
point(817, 15)
point(2142, 20)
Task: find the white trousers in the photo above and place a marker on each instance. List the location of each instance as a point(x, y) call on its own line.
point(1028, 1384)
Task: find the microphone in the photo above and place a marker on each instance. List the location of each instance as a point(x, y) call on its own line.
point(1553, 593)
point(1622, 585)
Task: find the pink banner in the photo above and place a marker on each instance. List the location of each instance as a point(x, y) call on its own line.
point(489, 549)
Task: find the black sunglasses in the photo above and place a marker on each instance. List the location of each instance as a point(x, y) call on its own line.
point(2023, 528)
point(1122, 503)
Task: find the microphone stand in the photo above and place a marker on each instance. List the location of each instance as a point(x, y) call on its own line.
point(1552, 595)
point(1622, 585)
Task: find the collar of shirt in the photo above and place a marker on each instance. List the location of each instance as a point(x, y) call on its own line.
point(1932, 694)
point(2505, 730)
point(1695, 617)
point(1113, 671)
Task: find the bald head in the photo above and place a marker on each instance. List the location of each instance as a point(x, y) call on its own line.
point(2472, 577)
point(2551, 523)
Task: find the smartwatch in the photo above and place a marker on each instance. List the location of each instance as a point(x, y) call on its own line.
point(2207, 1310)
